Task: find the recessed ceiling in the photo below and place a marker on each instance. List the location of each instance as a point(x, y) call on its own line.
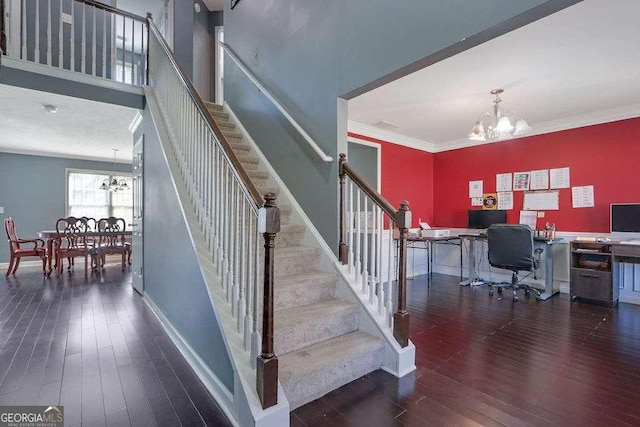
point(79, 129)
point(576, 67)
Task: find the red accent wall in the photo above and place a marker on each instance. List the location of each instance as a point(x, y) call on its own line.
point(406, 174)
point(606, 156)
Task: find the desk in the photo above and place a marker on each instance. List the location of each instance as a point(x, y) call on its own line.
point(50, 235)
point(547, 245)
point(428, 242)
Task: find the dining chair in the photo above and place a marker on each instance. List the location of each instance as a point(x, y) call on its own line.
point(112, 243)
point(71, 242)
point(17, 252)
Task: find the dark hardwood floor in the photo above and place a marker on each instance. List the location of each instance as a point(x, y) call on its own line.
point(96, 348)
point(485, 361)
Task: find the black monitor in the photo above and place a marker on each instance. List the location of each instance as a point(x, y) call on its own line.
point(625, 217)
point(485, 218)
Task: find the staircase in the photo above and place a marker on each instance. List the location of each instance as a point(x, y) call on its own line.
point(316, 339)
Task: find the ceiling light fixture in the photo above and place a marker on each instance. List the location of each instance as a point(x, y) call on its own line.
point(50, 108)
point(499, 125)
point(114, 184)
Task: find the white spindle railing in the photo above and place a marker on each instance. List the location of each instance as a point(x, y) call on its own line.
point(118, 38)
point(368, 247)
point(227, 205)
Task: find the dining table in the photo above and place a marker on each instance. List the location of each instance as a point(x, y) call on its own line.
point(49, 236)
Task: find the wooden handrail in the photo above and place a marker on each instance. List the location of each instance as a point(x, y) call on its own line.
point(211, 124)
point(253, 79)
point(112, 9)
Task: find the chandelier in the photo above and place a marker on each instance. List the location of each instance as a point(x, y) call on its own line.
point(114, 184)
point(499, 125)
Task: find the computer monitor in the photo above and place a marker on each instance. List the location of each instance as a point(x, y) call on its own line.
point(485, 218)
point(625, 217)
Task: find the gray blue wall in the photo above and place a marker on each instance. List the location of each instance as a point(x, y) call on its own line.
point(33, 188)
point(172, 278)
point(310, 53)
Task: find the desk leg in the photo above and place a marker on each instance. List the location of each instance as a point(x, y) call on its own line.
point(461, 260)
point(472, 263)
point(548, 274)
point(429, 260)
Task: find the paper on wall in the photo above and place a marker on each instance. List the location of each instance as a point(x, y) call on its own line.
point(583, 197)
point(529, 218)
point(503, 182)
point(521, 181)
point(475, 188)
point(560, 178)
point(541, 200)
point(476, 201)
point(539, 180)
point(505, 200)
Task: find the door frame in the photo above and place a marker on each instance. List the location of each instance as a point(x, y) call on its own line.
point(219, 70)
point(378, 148)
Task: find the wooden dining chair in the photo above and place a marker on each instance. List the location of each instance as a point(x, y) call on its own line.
point(17, 252)
point(71, 242)
point(112, 244)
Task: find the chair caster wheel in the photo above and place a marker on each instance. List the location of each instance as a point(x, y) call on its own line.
point(515, 299)
point(527, 293)
point(500, 290)
point(490, 293)
point(538, 298)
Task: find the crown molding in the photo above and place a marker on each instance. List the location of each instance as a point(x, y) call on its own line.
point(589, 119)
point(392, 137)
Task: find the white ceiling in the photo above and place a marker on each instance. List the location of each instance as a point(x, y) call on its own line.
point(79, 129)
point(577, 67)
point(214, 5)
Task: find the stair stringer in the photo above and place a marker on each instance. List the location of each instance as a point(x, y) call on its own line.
point(398, 361)
point(245, 409)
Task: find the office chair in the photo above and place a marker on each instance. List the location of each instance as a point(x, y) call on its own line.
point(511, 248)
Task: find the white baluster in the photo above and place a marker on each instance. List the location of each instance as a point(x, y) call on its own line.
point(72, 39)
point(49, 32)
point(373, 263)
point(255, 335)
point(365, 248)
point(242, 269)
point(93, 44)
point(235, 253)
point(358, 237)
point(133, 51)
point(104, 47)
point(24, 31)
point(83, 55)
point(392, 274)
point(60, 39)
point(36, 53)
point(248, 320)
point(350, 226)
point(380, 256)
point(229, 234)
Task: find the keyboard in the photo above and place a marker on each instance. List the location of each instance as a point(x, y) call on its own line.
point(630, 242)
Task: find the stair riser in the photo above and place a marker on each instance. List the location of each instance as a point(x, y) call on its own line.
point(285, 266)
point(302, 294)
point(289, 239)
point(248, 165)
point(301, 335)
point(311, 387)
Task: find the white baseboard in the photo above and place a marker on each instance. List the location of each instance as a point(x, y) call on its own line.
point(222, 396)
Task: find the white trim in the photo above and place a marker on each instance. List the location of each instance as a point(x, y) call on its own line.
point(589, 119)
point(391, 137)
point(222, 396)
point(61, 156)
point(69, 75)
point(378, 147)
point(219, 71)
point(135, 122)
point(276, 103)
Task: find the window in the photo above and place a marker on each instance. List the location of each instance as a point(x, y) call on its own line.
point(85, 198)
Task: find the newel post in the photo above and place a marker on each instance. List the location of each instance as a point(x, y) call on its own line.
point(343, 249)
point(267, 366)
point(401, 317)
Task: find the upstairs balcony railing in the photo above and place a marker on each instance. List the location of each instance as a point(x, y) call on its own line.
point(82, 36)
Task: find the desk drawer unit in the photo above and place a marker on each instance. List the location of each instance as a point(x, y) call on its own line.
point(592, 284)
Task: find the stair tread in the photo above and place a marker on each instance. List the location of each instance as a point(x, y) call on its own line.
point(293, 250)
point(312, 276)
point(214, 106)
point(311, 313)
point(317, 357)
point(292, 228)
